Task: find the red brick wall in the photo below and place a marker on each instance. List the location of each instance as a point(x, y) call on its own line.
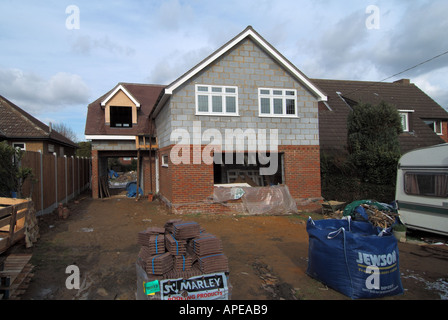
point(189, 182)
point(302, 170)
point(187, 186)
point(165, 183)
point(444, 135)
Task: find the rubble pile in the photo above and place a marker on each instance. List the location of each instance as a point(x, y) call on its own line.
point(181, 249)
point(379, 214)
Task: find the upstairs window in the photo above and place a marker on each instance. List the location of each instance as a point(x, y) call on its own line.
point(216, 100)
point(404, 121)
point(405, 116)
point(435, 125)
point(277, 102)
point(121, 117)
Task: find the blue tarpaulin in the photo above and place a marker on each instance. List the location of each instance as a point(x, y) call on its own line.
point(113, 174)
point(131, 189)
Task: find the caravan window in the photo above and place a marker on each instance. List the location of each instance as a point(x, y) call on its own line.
point(426, 184)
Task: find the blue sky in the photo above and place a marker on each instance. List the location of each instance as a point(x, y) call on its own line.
point(54, 71)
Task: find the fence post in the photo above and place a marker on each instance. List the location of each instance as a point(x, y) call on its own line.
point(56, 176)
point(41, 181)
point(79, 186)
point(66, 180)
point(73, 176)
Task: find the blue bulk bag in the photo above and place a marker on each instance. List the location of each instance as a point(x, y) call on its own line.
point(354, 258)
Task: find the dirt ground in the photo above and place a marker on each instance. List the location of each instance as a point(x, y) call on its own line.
point(267, 254)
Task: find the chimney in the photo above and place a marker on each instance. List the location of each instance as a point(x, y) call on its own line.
point(403, 81)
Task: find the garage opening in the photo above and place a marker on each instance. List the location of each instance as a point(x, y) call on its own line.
point(245, 168)
point(121, 172)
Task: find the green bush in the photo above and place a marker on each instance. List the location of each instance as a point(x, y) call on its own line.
point(12, 174)
point(368, 170)
point(372, 141)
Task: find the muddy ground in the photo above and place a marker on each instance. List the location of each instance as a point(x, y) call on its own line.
point(267, 254)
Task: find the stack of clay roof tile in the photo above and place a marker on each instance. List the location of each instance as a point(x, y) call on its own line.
point(183, 262)
point(144, 237)
point(183, 229)
point(213, 263)
point(206, 244)
point(174, 246)
point(159, 264)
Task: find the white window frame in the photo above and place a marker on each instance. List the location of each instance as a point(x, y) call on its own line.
point(165, 160)
point(271, 96)
point(404, 121)
point(439, 122)
point(14, 145)
point(436, 126)
point(210, 94)
point(405, 114)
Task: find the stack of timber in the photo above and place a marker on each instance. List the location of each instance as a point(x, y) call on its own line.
point(15, 275)
point(333, 209)
point(103, 188)
point(13, 215)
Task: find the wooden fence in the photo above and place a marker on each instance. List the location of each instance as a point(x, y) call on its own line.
point(55, 179)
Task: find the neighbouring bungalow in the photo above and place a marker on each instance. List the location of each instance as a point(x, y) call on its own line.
point(22, 130)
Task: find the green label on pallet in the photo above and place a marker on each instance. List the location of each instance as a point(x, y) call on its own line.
point(151, 287)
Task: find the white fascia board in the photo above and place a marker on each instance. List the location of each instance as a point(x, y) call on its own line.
point(108, 137)
point(321, 96)
point(126, 92)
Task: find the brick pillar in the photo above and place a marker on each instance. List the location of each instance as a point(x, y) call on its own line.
point(95, 176)
point(302, 171)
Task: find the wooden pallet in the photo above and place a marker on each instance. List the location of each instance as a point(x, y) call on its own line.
point(15, 276)
point(12, 221)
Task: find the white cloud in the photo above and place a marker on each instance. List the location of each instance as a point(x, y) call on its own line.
point(35, 94)
point(432, 83)
point(85, 44)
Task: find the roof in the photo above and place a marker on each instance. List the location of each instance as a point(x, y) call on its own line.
point(15, 123)
point(404, 95)
point(257, 38)
point(419, 158)
point(145, 94)
point(118, 88)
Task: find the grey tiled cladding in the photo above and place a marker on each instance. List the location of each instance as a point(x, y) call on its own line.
point(248, 67)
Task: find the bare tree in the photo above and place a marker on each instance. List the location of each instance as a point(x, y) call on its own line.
point(65, 130)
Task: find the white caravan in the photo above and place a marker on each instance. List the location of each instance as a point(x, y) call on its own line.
point(422, 189)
